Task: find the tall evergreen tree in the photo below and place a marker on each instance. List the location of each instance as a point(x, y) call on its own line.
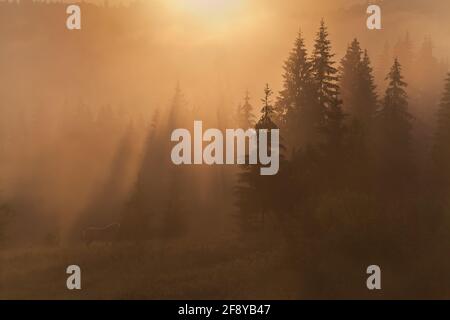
point(256, 194)
point(334, 147)
point(267, 111)
point(357, 84)
point(173, 222)
point(178, 109)
point(428, 75)
point(157, 203)
point(360, 101)
point(295, 107)
point(244, 115)
point(403, 50)
point(441, 148)
point(334, 127)
point(324, 73)
point(395, 129)
point(349, 76)
point(325, 77)
point(383, 63)
point(367, 98)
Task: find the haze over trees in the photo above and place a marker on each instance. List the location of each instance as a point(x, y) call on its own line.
point(364, 158)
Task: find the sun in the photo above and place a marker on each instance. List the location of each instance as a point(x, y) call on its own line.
point(208, 8)
point(207, 20)
point(207, 5)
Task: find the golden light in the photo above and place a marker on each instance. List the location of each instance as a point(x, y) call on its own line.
point(208, 9)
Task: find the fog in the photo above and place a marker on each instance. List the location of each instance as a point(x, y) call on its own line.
point(69, 100)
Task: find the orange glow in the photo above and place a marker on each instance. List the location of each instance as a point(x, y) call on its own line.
point(207, 10)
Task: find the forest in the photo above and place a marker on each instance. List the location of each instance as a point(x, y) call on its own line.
point(364, 172)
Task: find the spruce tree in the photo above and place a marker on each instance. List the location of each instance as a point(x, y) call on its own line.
point(173, 222)
point(366, 95)
point(157, 202)
point(334, 146)
point(383, 63)
point(334, 127)
point(256, 194)
point(357, 85)
point(394, 129)
point(327, 92)
point(427, 78)
point(267, 111)
point(324, 73)
point(245, 118)
point(177, 112)
point(295, 107)
point(349, 76)
point(403, 50)
point(360, 101)
point(441, 148)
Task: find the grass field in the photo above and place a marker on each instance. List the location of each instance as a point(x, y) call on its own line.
point(172, 271)
point(222, 270)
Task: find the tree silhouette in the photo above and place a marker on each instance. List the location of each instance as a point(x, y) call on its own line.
point(256, 194)
point(441, 148)
point(349, 75)
point(394, 129)
point(296, 110)
point(173, 221)
point(427, 82)
point(324, 73)
point(357, 84)
point(245, 118)
point(5, 216)
point(383, 63)
point(155, 204)
point(403, 50)
point(367, 98)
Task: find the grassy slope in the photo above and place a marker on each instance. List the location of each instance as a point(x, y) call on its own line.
point(147, 272)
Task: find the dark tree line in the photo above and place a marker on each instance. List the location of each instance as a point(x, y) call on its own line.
point(350, 188)
point(350, 181)
point(441, 147)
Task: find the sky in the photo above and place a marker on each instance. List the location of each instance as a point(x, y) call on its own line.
point(235, 44)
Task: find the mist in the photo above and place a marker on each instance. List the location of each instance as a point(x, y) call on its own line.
point(86, 116)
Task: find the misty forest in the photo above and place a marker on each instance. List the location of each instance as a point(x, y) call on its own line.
point(85, 124)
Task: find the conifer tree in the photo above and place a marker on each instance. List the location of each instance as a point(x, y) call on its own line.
point(256, 194)
point(395, 127)
point(383, 63)
point(334, 127)
point(173, 223)
point(366, 98)
point(353, 141)
point(324, 73)
point(357, 85)
point(267, 111)
point(441, 148)
point(157, 202)
point(295, 108)
point(349, 76)
point(403, 50)
point(325, 79)
point(177, 112)
point(245, 118)
point(427, 76)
